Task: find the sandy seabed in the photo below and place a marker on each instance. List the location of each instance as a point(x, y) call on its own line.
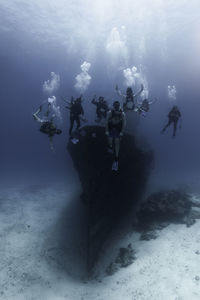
point(42, 250)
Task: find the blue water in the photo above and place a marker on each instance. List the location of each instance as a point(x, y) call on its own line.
point(160, 39)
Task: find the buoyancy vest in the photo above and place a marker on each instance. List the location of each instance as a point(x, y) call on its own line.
point(76, 109)
point(115, 120)
point(102, 108)
point(174, 114)
point(48, 128)
point(129, 103)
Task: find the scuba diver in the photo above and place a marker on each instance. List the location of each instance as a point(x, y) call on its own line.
point(47, 125)
point(115, 125)
point(76, 110)
point(173, 116)
point(144, 106)
point(101, 108)
point(129, 98)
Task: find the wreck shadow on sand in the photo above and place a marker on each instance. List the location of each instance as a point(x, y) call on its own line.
point(109, 197)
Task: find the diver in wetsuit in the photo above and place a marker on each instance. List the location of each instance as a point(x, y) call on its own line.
point(115, 125)
point(129, 98)
point(143, 107)
point(76, 110)
point(173, 116)
point(47, 125)
point(101, 108)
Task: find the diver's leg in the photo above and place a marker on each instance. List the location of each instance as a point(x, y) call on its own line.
point(51, 143)
point(175, 126)
point(115, 162)
point(98, 116)
point(110, 143)
point(167, 125)
point(75, 140)
point(117, 146)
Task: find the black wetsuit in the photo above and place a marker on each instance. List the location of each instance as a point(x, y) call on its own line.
point(115, 123)
point(76, 110)
point(173, 117)
point(101, 109)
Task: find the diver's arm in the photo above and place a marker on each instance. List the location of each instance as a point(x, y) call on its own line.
point(35, 115)
point(94, 101)
point(69, 104)
point(123, 123)
point(119, 93)
point(153, 101)
point(36, 118)
point(66, 101)
point(139, 92)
